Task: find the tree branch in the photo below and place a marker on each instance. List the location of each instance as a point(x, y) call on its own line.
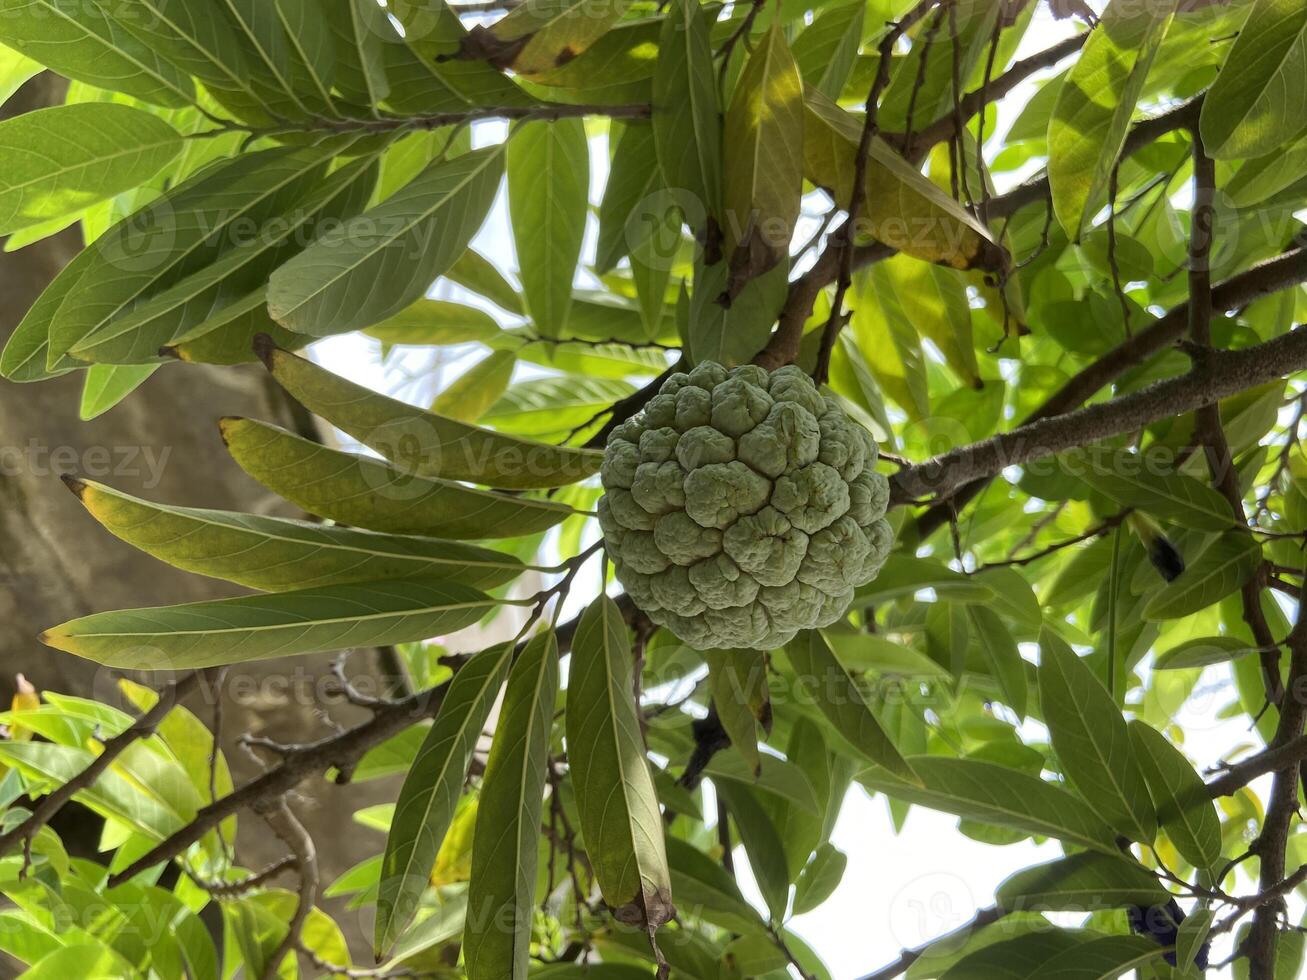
point(1207, 421)
point(1239, 775)
point(1263, 937)
point(1218, 376)
point(783, 346)
point(292, 833)
point(976, 100)
point(984, 917)
point(549, 112)
point(1269, 277)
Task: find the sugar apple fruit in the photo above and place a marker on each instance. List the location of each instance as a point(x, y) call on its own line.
point(742, 506)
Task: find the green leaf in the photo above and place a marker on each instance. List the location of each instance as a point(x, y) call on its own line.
point(171, 238)
point(819, 878)
point(923, 83)
point(902, 208)
point(1001, 655)
point(620, 820)
point(632, 177)
point(1191, 936)
point(888, 341)
point(376, 264)
point(765, 849)
point(732, 336)
point(108, 384)
point(843, 703)
point(1091, 740)
point(501, 891)
point(362, 492)
point(185, 312)
point(687, 126)
point(551, 408)
point(360, 54)
point(1225, 565)
point(1184, 807)
point(424, 75)
point(1256, 104)
point(431, 791)
point(15, 70)
point(473, 271)
point(860, 651)
point(436, 322)
point(196, 37)
point(778, 777)
point(111, 795)
point(826, 50)
point(1083, 882)
point(276, 554)
point(1203, 653)
point(80, 40)
point(733, 676)
point(424, 443)
point(1261, 179)
point(89, 960)
point(1134, 480)
point(1056, 955)
point(996, 794)
point(228, 631)
point(1012, 595)
point(934, 299)
point(1095, 104)
point(556, 31)
point(473, 392)
point(905, 575)
point(703, 884)
point(763, 158)
point(59, 161)
point(548, 194)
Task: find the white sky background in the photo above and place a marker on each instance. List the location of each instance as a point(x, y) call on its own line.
point(899, 890)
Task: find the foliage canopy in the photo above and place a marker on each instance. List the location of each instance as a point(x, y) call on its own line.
point(1058, 289)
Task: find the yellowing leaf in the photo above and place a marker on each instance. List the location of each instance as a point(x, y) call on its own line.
point(424, 443)
point(902, 208)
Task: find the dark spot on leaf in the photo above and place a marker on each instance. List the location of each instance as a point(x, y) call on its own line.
point(564, 56)
point(481, 44)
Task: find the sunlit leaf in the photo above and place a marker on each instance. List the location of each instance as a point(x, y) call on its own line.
point(61, 160)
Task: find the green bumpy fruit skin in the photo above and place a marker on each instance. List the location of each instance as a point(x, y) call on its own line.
point(742, 506)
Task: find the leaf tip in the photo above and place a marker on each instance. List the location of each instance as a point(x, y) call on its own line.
point(53, 638)
point(76, 485)
point(265, 348)
point(225, 426)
